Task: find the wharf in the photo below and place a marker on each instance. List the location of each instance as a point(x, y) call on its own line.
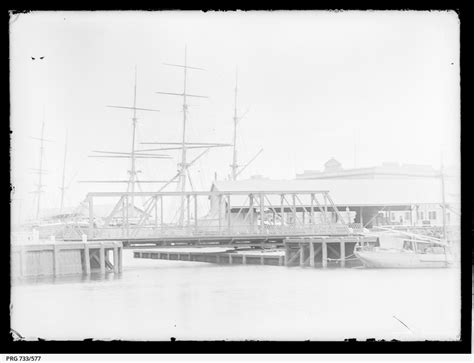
point(223, 258)
point(315, 252)
point(64, 258)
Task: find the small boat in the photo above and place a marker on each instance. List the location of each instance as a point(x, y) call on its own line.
point(404, 250)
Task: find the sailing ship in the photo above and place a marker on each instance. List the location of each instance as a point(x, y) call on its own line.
point(398, 249)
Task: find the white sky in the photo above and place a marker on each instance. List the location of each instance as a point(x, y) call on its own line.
point(314, 82)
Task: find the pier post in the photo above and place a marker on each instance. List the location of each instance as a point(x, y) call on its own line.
point(120, 259)
point(230, 258)
point(56, 260)
point(116, 258)
point(325, 254)
point(280, 260)
point(87, 258)
point(311, 254)
point(102, 259)
point(343, 253)
point(244, 260)
point(301, 255)
point(287, 255)
point(262, 260)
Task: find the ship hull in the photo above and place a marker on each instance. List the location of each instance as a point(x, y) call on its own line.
point(401, 259)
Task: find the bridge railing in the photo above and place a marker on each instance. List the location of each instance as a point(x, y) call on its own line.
point(243, 230)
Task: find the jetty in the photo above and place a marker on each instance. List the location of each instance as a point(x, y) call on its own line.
point(223, 258)
point(52, 258)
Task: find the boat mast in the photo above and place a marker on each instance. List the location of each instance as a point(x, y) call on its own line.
point(133, 172)
point(63, 189)
point(234, 164)
point(183, 165)
point(40, 173)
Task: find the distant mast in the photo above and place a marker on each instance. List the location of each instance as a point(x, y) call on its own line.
point(133, 172)
point(234, 164)
point(183, 165)
point(40, 172)
point(63, 188)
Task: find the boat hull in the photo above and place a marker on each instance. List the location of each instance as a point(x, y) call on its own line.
point(401, 259)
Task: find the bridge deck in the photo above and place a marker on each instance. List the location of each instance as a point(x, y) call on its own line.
point(212, 240)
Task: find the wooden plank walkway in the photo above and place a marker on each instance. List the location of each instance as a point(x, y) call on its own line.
point(223, 258)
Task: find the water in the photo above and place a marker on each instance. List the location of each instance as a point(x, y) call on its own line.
point(157, 300)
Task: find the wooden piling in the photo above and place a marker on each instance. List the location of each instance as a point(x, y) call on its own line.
point(87, 259)
point(56, 260)
point(311, 254)
point(301, 255)
point(244, 260)
point(343, 253)
point(230, 258)
point(325, 254)
point(102, 259)
point(116, 258)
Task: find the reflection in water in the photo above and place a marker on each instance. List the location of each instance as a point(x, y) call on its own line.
point(156, 300)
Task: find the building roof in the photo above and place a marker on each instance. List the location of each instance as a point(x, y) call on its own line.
point(357, 192)
point(334, 170)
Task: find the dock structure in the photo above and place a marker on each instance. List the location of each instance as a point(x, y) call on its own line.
point(215, 218)
point(223, 258)
point(65, 258)
point(323, 251)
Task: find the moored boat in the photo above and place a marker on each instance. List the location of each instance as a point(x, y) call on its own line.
point(405, 250)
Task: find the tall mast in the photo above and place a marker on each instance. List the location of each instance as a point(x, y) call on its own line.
point(63, 188)
point(234, 165)
point(133, 154)
point(133, 172)
point(184, 166)
point(40, 173)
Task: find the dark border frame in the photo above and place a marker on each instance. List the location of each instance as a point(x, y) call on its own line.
point(271, 347)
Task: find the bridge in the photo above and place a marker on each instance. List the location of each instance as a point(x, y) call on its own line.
point(199, 218)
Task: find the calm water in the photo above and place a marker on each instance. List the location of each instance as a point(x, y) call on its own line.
point(157, 300)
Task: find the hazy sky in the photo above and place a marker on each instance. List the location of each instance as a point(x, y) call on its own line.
point(316, 84)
